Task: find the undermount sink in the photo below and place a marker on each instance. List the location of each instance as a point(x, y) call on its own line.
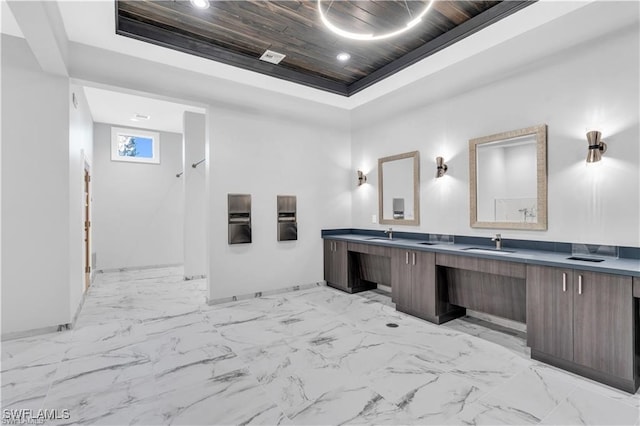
point(488, 250)
point(427, 243)
point(586, 259)
point(380, 239)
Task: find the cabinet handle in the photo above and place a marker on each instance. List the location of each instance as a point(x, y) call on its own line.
point(406, 258)
point(564, 281)
point(414, 258)
point(579, 284)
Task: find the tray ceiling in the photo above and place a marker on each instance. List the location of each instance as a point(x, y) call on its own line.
point(238, 33)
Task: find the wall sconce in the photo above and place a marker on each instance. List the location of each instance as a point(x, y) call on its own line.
point(596, 146)
point(441, 168)
point(362, 178)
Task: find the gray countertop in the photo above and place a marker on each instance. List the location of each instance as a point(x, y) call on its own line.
point(622, 266)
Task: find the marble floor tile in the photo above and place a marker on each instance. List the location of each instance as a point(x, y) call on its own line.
point(28, 367)
point(46, 349)
point(583, 407)
point(282, 359)
point(488, 364)
point(185, 369)
point(26, 386)
point(342, 406)
point(147, 349)
point(401, 375)
point(535, 391)
point(444, 396)
point(232, 398)
point(131, 402)
point(96, 372)
point(486, 413)
point(296, 391)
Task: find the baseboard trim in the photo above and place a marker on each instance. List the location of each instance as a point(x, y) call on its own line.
point(264, 293)
point(137, 268)
point(29, 333)
point(194, 277)
point(80, 305)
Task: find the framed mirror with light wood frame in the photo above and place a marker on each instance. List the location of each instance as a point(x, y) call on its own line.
point(399, 189)
point(508, 179)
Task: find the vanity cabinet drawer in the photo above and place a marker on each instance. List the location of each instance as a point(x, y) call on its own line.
point(636, 286)
point(358, 248)
point(495, 267)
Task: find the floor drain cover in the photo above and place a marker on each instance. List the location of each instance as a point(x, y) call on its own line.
point(392, 325)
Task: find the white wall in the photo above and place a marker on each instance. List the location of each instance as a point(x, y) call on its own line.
point(35, 193)
point(138, 209)
point(195, 237)
point(80, 156)
point(590, 86)
point(264, 152)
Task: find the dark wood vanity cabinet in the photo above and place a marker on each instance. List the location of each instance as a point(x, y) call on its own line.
point(413, 282)
point(336, 272)
point(584, 322)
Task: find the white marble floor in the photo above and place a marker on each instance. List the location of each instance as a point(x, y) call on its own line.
point(147, 349)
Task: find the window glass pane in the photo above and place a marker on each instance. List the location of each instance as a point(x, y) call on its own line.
point(135, 146)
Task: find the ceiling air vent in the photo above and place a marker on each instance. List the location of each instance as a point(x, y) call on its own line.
point(271, 56)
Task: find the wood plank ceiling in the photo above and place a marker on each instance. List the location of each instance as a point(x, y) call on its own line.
point(238, 33)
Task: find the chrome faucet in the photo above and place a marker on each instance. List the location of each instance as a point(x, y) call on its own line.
point(498, 240)
point(390, 233)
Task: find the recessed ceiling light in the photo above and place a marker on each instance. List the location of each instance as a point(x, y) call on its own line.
point(343, 56)
point(200, 4)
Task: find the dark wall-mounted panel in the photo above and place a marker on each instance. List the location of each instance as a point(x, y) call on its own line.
point(287, 218)
point(239, 218)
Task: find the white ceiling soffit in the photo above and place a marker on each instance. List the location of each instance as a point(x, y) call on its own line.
point(9, 24)
point(92, 22)
point(118, 108)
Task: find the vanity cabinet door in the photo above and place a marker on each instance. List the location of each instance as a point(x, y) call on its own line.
point(401, 278)
point(550, 310)
point(413, 281)
point(335, 264)
point(424, 284)
point(603, 322)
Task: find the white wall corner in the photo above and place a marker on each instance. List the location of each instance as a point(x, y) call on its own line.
point(43, 28)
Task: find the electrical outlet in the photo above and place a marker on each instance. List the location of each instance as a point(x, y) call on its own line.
point(374, 218)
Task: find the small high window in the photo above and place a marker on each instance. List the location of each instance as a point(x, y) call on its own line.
point(133, 145)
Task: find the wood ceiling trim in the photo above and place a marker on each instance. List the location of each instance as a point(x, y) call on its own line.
point(140, 29)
